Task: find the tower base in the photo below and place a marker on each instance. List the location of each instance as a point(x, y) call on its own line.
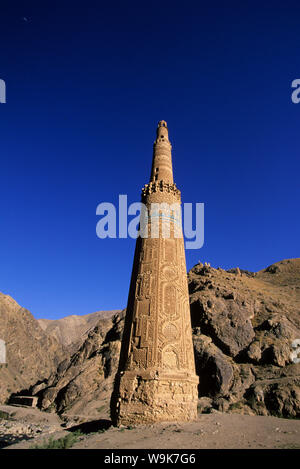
point(151, 397)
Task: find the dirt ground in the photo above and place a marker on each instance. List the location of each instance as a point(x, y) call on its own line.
point(210, 431)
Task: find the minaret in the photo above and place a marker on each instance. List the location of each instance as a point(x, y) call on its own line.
point(156, 378)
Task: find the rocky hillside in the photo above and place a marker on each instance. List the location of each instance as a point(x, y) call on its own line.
point(31, 354)
point(244, 325)
point(71, 331)
point(83, 382)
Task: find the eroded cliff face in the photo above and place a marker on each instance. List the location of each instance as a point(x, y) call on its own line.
point(31, 354)
point(244, 325)
point(83, 382)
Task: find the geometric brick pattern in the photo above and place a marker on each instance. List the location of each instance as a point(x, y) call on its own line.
point(156, 379)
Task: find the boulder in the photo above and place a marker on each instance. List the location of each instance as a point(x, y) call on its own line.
point(213, 367)
point(226, 320)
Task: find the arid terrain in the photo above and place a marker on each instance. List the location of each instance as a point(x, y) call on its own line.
point(244, 325)
point(32, 428)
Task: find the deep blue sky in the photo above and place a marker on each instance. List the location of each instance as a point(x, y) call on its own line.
point(87, 83)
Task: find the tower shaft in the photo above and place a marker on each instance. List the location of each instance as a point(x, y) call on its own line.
point(156, 378)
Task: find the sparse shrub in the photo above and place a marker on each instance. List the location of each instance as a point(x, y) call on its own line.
point(4, 415)
point(65, 442)
point(236, 405)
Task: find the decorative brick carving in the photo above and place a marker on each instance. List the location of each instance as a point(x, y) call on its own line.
point(156, 379)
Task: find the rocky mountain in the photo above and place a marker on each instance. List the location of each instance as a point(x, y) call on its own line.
point(83, 382)
point(244, 327)
point(71, 331)
point(31, 354)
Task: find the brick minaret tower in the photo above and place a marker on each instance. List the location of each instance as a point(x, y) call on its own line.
point(156, 378)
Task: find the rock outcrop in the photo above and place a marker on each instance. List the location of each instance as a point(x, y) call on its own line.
point(244, 327)
point(83, 382)
point(31, 354)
